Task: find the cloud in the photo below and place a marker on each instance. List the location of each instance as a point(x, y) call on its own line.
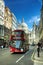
point(30, 29)
point(35, 19)
point(30, 22)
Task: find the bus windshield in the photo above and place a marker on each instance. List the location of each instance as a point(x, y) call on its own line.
point(15, 44)
point(16, 33)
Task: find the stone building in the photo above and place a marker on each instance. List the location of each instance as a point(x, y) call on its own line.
point(2, 11)
point(10, 23)
point(7, 23)
point(14, 22)
point(41, 24)
point(23, 26)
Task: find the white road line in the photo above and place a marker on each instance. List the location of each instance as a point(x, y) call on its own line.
point(22, 56)
point(27, 52)
point(19, 59)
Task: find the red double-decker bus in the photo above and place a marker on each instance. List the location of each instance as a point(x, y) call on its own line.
point(18, 42)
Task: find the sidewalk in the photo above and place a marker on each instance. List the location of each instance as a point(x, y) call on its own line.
point(38, 60)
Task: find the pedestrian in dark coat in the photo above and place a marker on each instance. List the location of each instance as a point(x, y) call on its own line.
point(38, 51)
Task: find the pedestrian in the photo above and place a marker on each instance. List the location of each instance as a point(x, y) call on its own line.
point(38, 51)
point(39, 44)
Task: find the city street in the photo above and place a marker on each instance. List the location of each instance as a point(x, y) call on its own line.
point(6, 58)
point(21, 31)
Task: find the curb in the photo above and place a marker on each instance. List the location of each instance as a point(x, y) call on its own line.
point(34, 60)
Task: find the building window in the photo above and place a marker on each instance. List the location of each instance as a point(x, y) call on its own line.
point(1, 13)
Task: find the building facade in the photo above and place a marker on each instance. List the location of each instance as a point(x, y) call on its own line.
point(14, 22)
point(41, 24)
point(2, 11)
point(8, 18)
point(37, 33)
point(23, 26)
point(10, 23)
point(7, 23)
point(30, 37)
point(34, 35)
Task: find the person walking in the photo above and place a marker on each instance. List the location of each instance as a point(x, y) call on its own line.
point(38, 51)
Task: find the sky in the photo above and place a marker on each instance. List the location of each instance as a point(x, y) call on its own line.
point(27, 9)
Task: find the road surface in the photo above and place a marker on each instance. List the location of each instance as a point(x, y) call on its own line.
point(6, 58)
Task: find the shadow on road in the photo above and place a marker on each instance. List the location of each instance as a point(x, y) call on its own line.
point(18, 53)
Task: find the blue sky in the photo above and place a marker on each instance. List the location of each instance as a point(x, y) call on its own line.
point(27, 9)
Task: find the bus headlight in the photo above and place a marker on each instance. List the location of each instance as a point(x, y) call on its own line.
point(21, 49)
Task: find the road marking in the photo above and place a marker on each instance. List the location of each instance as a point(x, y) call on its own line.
point(34, 60)
point(19, 59)
point(33, 54)
point(27, 52)
point(23, 56)
point(38, 61)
